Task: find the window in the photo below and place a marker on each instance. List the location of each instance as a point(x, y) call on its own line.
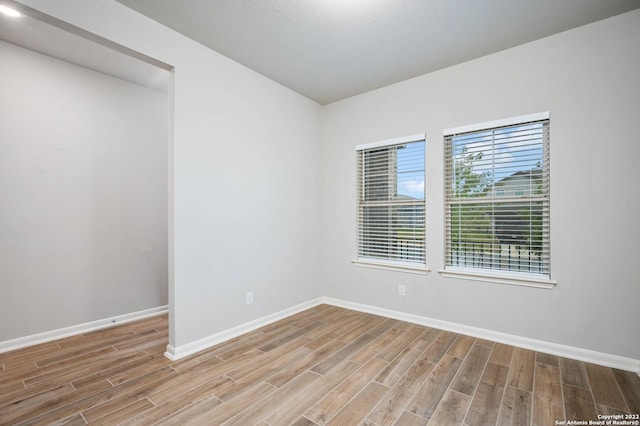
point(497, 198)
point(391, 202)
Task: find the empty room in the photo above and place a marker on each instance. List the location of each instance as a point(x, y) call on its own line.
point(317, 212)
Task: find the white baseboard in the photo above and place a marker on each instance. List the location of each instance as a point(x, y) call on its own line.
point(47, 336)
point(580, 354)
point(609, 360)
point(175, 353)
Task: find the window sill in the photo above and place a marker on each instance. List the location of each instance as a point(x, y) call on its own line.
point(412, 268)
point(526, 280)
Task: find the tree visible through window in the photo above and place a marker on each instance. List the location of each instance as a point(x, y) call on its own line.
point(391, 201)
point(497, 198)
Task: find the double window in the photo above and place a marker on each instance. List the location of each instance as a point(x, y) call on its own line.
point(391, 202)
point(496, 202)
point(497, 197)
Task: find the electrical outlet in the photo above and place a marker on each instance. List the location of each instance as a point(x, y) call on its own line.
point(402, 290)
point(249, 297)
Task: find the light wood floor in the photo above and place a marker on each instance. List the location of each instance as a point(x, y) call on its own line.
point(326, 365)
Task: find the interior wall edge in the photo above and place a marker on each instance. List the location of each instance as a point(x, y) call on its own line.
point(178, 352)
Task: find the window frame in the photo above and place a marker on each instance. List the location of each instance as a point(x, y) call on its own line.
point(539, 280)
point(380, 263)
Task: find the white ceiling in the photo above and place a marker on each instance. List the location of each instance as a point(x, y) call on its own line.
point(329, 50)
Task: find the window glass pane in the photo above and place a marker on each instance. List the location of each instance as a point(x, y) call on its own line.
point(410, 179)
point(393, 232)
point(379, 170)
point(391, 207)
point(487, 160)
point(497, 198)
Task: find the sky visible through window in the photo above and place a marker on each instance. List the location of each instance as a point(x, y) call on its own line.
point(410, 177)
point(505, 151)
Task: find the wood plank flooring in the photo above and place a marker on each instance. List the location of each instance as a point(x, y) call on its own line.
point(326, 365)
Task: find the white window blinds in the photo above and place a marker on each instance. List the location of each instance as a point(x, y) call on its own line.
point(391, 200)
point(497, 197)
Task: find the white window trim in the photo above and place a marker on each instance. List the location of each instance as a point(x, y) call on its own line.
point(496, 123)
point(412, 268)
point(487, 275)
point(512, 278)
point(395, 141)
point(409, 267)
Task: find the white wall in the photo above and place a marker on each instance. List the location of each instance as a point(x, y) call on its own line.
point(588, 79)
point(83, 189)
point(244, 178)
